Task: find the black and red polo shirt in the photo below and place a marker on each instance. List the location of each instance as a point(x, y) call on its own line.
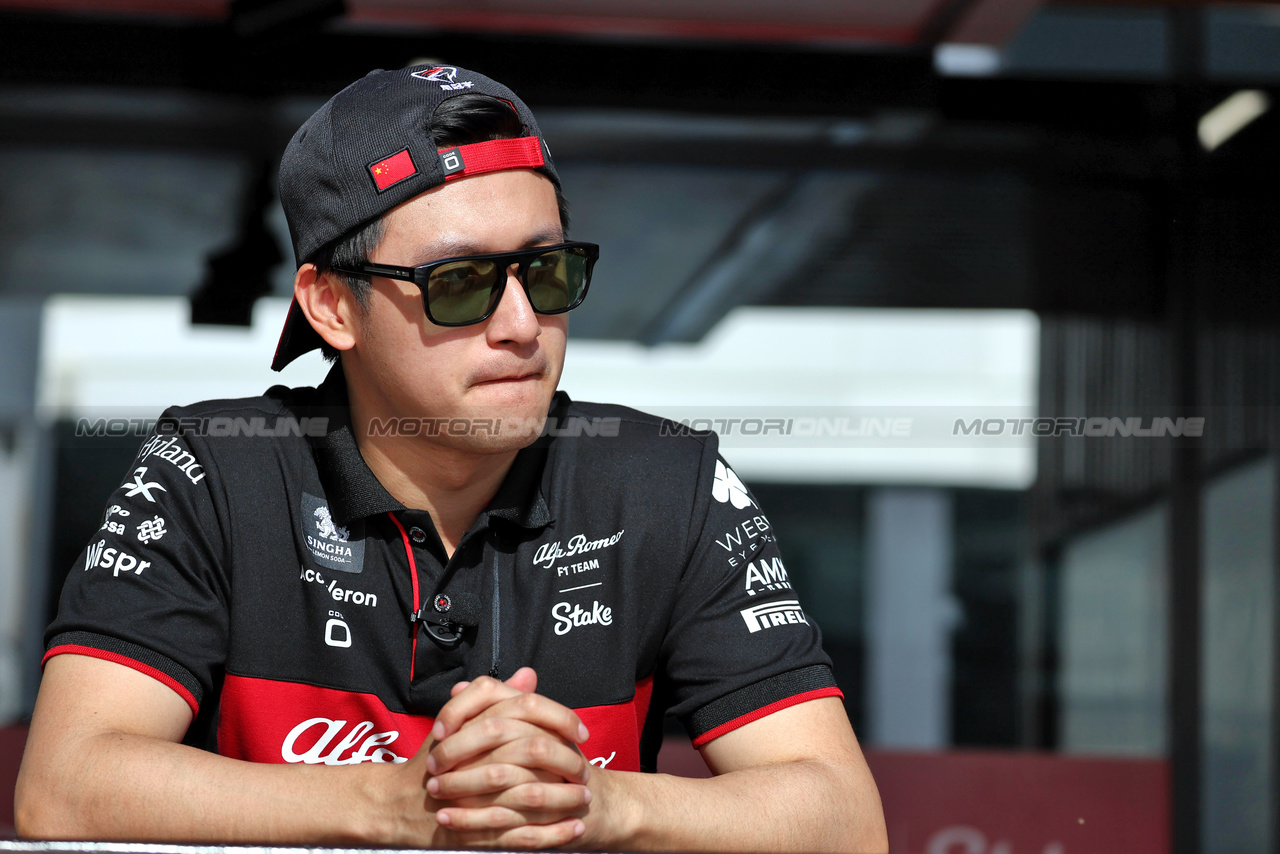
point(253, 563)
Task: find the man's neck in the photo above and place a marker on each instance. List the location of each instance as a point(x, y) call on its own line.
point(451, 484)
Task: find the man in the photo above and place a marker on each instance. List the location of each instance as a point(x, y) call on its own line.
point(397, 614)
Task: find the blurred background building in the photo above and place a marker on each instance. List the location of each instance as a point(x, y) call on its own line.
point(962, 244)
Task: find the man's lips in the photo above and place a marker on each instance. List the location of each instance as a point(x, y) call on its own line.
point(511, 378)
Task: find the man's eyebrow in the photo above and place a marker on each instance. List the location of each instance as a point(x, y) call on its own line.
point(454, 247)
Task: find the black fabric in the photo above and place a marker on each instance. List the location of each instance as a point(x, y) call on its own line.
point(177, 606)
point(325, 185)
point(763, 693)
point(620, 551)
point(140, 654)
point(355, 492)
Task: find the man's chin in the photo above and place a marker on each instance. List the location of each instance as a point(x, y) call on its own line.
point(498, 429)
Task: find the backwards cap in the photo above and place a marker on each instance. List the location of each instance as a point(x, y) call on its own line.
point(370, 148)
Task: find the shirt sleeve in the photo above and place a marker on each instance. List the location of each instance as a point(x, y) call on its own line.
point(149, 591)
point(739, 645)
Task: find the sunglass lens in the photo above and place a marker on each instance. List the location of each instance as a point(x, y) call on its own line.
point(557, 279)
point(462, 291)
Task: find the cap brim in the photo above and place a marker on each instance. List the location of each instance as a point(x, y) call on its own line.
point(296, 338)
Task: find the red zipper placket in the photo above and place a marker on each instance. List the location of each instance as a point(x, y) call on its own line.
point(417, 605)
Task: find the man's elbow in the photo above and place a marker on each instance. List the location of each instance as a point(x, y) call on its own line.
point(39, 814)
point(31, 817)
point(870, 838)
point(863, 830)
point(857, 800)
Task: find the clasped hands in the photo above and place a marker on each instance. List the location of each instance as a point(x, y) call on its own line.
point(503, 767)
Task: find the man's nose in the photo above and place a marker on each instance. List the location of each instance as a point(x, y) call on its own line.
point(514, 319)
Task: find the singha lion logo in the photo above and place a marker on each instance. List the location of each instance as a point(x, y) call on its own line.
point(328, 530)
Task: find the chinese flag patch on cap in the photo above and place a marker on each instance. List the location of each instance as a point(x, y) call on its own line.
point(392, 170)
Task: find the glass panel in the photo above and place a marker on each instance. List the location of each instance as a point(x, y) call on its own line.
point(1113, 638)
point(114, 222)
point(1239, 568)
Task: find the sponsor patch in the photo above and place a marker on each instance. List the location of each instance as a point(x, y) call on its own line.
point(749, 536)
point(337, 632)
point(389, 171)
point(771, 614)
point(768, 575)
point(338, 593)
point(151, 529)
point(142, 487)
point(451, 161)
point(316, 741)
point(168, 449)
point(332, 546)
point(569, 617)
point(728, 488)
point(116, 560)
point(109, 525)
point(548, 553)
point(446, 76)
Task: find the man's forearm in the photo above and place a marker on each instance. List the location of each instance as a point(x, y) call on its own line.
point(103, 761)
point(114, 785)
point(801, 806)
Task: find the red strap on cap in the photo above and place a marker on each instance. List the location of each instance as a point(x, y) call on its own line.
point(495, 155)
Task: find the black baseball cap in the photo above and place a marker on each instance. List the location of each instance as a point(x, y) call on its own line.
point(370, 148)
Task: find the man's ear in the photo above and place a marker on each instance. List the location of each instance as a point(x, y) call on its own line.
point(328, 304)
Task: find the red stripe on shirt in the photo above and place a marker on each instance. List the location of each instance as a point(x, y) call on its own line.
point(413, 571)
point(117, 658)
point(765, 711)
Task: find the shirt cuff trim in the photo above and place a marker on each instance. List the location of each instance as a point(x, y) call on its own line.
point(736, 708)
point(764, 712)
point(106, 655)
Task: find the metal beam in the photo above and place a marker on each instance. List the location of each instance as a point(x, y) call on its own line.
point(1185, 558)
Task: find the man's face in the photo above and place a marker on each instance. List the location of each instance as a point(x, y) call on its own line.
point(504, 367)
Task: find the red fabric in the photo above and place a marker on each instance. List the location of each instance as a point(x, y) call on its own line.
point(614, 730)
point(413, 572)
point(765, 711)
point(498, 154)
point(263, 720)
point(127, 662)
point(644, 692)
point(393, 170)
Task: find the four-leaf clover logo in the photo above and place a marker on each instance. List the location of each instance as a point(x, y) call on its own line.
point(727, 487)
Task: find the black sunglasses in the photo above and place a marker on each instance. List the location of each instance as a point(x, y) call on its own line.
point(467, 289)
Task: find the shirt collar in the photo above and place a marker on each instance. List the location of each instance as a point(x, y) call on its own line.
point(354, 492)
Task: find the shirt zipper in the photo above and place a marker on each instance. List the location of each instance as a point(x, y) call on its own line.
point(497, 612)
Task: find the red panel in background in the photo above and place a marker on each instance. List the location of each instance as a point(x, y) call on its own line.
point(1022, 803)
point(207, 9)
point(897, 23)
point(881, 23)
point(885, 23)
point(969, 802)
point(12, 740)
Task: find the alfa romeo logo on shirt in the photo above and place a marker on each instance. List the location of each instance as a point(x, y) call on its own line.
point(340, 548)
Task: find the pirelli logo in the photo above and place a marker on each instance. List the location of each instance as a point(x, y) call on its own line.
point(772, 614)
